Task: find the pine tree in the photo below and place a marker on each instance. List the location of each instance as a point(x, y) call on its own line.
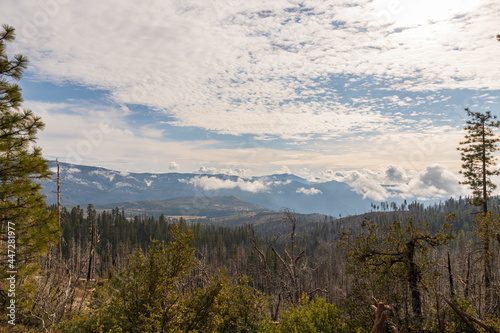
point(478, 168)
point(22, 207)
point(477, 156)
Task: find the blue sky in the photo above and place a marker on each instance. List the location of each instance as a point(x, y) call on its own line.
point(367, 92)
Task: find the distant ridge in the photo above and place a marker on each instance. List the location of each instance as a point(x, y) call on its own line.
point(82, 185)
point(208, 207)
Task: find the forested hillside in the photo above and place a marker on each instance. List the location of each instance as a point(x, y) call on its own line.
point(292, 257)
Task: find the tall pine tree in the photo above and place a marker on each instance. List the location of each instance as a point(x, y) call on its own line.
point(477, 156)
point(22, 207)
point(478, 167)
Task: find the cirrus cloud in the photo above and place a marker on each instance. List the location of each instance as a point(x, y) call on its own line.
point(278, 69)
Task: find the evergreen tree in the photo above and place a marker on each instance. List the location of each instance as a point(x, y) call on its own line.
point(477, 156)
point(478, 168)
point(22, 207)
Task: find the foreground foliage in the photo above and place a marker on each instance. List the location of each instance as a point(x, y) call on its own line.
point(393, 260)
point(27, 227)
point(22, 207)
point(161, 291)
point(312, 317)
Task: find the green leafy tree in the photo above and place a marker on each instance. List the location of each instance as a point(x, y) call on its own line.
point(383, 258)
point(478, 167)
point(22, 207)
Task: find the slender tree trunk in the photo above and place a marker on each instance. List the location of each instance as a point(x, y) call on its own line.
point(487, 275)
point(413, 277)
point(92, 246)
point(485, 190)
point(59, 248)
point(450, 275)
point(466, 291)
point(486, 241)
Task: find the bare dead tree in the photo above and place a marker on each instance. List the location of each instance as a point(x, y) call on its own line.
point(269, 278)
point(467, 277)
point(450, 276)
point(291, 262)
point(92, 242)
point(54, 291)
point(473, 253)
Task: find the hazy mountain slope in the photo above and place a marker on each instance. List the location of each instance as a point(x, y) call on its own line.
point(82, 185)
point(209, 207)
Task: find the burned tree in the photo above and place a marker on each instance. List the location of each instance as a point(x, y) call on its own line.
point(396, 251)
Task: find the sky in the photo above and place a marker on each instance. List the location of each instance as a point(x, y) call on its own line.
point(369, 92)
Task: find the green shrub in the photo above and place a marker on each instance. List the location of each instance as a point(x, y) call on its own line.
point(312, 317)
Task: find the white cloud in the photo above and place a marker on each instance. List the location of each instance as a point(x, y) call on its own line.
point(173, 166)
point(243, 173)
point(310, 191)
point(283, 170)
point(365, 182)
point(213, 183)
point(151, 132)
point(435, 181)
point(229, 67)
point(99, 135)
point(395, 175)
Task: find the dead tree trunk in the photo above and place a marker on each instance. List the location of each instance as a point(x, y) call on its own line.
point(290, 262)
point(93, 242)
point(450, 276)
point(270, 283)
point(59, 247)
point(468, 319)
point(413, 279)
point(466, 291)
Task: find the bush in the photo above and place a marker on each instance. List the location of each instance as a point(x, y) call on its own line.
point(148, 296)
point(312, 317)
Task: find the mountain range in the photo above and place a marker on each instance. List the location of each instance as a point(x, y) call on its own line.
point(82, 185)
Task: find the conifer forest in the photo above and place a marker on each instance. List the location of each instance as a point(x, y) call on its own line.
point(402, 266)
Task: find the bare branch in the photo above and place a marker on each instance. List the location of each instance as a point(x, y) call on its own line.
point(381, 311)
point(466, 318)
